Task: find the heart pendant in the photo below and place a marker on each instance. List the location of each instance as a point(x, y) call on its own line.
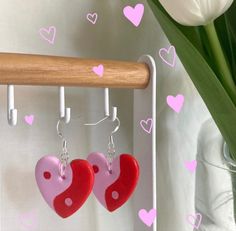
point(113, 188)
point(65, 195)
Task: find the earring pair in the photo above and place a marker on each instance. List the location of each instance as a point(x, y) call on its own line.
point(66, 186)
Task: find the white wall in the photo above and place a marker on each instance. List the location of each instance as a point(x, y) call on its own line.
point(113, 37)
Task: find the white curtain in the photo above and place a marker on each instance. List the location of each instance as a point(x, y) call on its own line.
point(112, 37)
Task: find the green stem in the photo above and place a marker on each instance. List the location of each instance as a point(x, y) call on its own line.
point(224, 75)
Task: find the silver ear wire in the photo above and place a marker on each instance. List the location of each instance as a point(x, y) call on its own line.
point(98, 122)
point(117, 127)
point(112, 116)
point(64, 156)
point(59, 132)
point(11, 111)
point(64, 112)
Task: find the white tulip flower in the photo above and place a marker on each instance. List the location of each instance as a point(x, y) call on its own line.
point(195, 12)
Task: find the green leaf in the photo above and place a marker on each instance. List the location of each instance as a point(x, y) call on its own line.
point(214, 95)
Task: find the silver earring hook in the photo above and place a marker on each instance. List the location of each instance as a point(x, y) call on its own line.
point(59, 133)
point(111, 116)
point(64, 112)
point(103, 119)
point(11, 111)
point(64, 156)
point(111, 144)
point(117, 127)
point(98, 122)
point(111, 149)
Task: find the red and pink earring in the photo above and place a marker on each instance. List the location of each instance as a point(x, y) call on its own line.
point(64, 186)
point(115, 177)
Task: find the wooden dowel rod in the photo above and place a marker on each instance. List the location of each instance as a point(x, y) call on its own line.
point(25, 69)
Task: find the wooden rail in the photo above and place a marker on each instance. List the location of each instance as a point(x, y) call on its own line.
point(25, 69)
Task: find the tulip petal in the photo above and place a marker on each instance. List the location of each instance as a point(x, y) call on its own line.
point(195, 12)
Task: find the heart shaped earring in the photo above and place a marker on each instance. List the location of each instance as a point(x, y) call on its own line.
point(64, 186)
point(115, 177)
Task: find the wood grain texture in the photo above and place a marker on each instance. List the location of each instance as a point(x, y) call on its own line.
point(25, 69)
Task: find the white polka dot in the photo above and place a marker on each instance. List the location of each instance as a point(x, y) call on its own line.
point(68, 202)
point(115, 195)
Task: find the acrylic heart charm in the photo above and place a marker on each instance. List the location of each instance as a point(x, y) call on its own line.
point(65, 195)
point(113, 188)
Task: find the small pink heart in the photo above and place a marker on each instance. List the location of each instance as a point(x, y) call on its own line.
point(147, 125)
point(92, 17)
point(175, 103)
point(195, 220)
point(164, 54)
point(191, 165)
point(98, 70)
point(147, 217)
point(28, 220)
point(135, 14)
point(48, 34)
point(29, 119)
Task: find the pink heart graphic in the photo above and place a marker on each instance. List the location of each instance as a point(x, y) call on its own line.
point(92, 17)
point(191, 165)
point(175, 103)
point(147, 125)
point(28, 220)
point(113, 187)
point(98, 70)
point(29, 119)
point(48, 34)
point(163, 52)
point(135, 14)
point(195, 220)
point(147, 217)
